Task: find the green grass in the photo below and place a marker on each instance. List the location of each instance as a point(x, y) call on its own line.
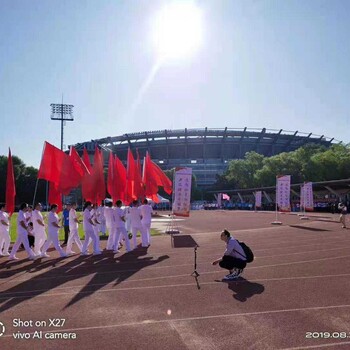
point(13, 228)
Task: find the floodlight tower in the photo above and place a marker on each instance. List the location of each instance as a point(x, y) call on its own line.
point(62, 112)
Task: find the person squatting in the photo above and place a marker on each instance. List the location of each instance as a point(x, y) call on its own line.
point(94, 219)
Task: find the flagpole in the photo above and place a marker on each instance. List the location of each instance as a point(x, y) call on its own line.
point(36, 188)
point(276, 222)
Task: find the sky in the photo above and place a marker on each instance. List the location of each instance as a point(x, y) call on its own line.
point(279, 64)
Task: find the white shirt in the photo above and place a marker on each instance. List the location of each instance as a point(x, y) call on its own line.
point(118, 214)
point(146, 212)
point(37, 228)
point(4, 217)
point(73, 225)
point(86, 223)
point(100, 213)
point(53, 218)
point(20, 218)
point(233, 245)
point(108, 214)
point(135, 217)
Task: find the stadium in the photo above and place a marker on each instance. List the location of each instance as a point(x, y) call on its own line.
point(206, 150)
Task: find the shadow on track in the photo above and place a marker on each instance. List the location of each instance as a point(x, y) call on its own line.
point(243, 289)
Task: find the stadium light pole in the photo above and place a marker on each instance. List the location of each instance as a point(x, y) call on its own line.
point(62, 112)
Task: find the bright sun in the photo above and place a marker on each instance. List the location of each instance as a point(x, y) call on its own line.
point(177, 30)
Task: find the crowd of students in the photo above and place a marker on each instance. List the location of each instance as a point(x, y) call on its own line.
point(123, 225)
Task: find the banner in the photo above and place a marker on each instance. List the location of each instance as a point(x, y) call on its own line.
point(283, 193)
point(182, 192)
point(307, 197)
point(258, 197)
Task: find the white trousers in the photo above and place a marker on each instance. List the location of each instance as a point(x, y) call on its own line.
point(111, 237)
point(97, 235)
point(147, 227)
point(40, 238)
point(4, 242)
point(89, 237)
point(73, 238)
point(52, 238)
point(134, 230)
point(22, 237)
point(121, 232)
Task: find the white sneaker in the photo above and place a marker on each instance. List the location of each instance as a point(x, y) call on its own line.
point(44, 255)
point(13, 258)
point(6, 254)
point(230, 277)
point(96, 253)
point(85, 254)
point(70, 253)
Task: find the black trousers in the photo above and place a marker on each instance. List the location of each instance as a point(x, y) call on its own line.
point(229, 262)
point(66, 233)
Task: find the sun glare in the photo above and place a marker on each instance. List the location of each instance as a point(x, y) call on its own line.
point(177, 30)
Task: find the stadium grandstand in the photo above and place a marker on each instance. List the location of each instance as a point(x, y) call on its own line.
point(206, 150)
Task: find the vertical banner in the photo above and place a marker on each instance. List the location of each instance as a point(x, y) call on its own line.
point(283, 193)
point(307, 197)
point(258, 197)
point(182, 192)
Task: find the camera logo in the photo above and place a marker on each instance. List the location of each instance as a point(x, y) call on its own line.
point(2, 329)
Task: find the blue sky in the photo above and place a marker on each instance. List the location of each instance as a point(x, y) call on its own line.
point(273, 63)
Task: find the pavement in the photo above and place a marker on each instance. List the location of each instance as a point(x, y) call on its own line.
point(295, 295)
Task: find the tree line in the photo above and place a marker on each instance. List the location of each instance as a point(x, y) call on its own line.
point(308, 163)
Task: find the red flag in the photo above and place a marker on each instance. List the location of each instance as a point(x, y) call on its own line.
point(86, 160)
point(88, 180)
point(100, 186)
point(153, 177)
point(55, 197)
point(51, 163)
point(10, 186)
point(139, 187)
point(120, 179)
point(131, 172)
point(78, 163)
point(111, 177)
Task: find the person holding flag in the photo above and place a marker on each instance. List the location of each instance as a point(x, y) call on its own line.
point(119, 219)
point(4, 231)
point(146, 212)
point(22, 234)
point(136, 225)
point(89, 224)
point(38, 229)
point(53, 227)
point(73, 231)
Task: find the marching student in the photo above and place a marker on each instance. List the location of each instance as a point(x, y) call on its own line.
point(22, 234)
point(120, 229)
point(73, 231)
point(38, 229)
point(109, 215)
point(88, 225)
point(101, 218)
point(65, 222)
point(4, 231)
point(136, 225)
point(94, 217)
point(146, 212)
point(53, 227)
point(29, 217)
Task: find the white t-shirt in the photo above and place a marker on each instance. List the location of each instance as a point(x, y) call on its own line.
point(100, 214)
point(4, 217)
point(21, 217)
point(53, 218)
point(86, 223)
point(135, 217)
point(108, 214)
point(233, 245)
point(73, 225)
point(146, 212)
point(37, 228)
point(118, 214)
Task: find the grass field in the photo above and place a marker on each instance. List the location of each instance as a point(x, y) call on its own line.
point(13, 228)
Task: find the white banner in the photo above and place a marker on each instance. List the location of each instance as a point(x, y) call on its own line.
point(306, 196)
point(182, 192)
point(283, 193)
point(258, 196)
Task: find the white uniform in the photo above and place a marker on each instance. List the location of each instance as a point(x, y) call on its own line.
point(120, 230)
point(89, 233)
point(101, 219)
point(4, 233)
point(39, 231)
point(94, 217)
point(127, 219)
point(22, 237)
point(136, 226)
point(53, 234)
point(73, 232)
point(110, 223)
point(146, 212)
